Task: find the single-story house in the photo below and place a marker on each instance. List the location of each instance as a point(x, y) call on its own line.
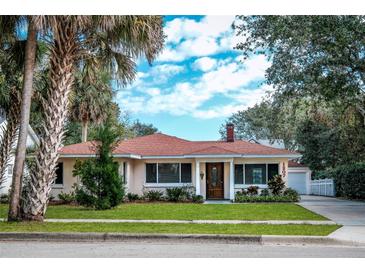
point(214, 169)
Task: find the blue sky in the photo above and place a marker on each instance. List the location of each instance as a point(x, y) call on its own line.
point(197, 81)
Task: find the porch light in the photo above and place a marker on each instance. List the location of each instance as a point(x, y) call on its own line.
point(201, 175)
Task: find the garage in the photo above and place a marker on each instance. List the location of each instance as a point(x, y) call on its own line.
point(299, 177)
point(297, 181)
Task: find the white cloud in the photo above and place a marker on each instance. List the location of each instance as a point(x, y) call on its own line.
point(153, 91)
point(228, 78)
point(162, 73)
point(158, 90)
point(204, 64)
point(189, 38)
point(219, 111)
point(233, 75)
point(184, 28)
point(167, 69)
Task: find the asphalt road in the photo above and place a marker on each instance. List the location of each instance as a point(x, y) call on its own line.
point(171, 249)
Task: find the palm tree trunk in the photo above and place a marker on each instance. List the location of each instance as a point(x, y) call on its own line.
point(30, 52)
point(84, 131)
point(9, 132)
point(55, 112)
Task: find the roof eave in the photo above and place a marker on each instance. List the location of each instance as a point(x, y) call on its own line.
point(290, 156)
point(136, 156)
point(132, 156)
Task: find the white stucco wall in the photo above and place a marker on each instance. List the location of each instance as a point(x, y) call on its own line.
point(136, 173)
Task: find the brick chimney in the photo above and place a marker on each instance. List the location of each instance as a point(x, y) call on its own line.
point(230, 132)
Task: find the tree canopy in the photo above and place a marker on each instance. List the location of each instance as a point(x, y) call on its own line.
point(317, 56)
point(317, 73)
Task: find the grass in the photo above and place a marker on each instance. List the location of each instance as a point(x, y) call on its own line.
point(183, 211)
point(243, 229)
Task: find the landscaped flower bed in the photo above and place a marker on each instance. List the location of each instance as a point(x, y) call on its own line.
point(276, 192)
point(175, 194)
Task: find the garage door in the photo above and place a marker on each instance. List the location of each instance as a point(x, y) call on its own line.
point(297, 181)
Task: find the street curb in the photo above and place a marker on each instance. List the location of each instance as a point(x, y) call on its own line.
point(218, 238)
point(93, 236)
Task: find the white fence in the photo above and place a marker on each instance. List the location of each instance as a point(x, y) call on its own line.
point(323, 187)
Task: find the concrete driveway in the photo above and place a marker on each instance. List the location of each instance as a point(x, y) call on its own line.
point(343, 212)
point(350, 214)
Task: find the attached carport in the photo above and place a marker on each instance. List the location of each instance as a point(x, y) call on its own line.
point(299, 177)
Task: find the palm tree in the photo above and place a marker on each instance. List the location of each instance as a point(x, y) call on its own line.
point(90, 99)
point(29, 64)
point(111, 42)
point(10, 96)
point(10, 25)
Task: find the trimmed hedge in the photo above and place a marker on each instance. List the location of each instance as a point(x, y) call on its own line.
point(265, 199)
point(350, 180)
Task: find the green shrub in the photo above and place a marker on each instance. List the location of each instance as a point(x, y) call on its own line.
point(263, 199)
point(101, 185)
point(252, 190)
point(276, 185)
point(67, 198)
point(177, 194)
point(242, 192)
point(350, 180)
point(291, 193)
point(133, 197)
point(265, 192)
point(153, 195)
point(197, 198)
point(322, 174)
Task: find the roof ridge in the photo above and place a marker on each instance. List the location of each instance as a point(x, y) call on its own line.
point(156, 134)
point(221, 148)
point(283, 149)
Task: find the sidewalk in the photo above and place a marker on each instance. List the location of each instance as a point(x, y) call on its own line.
point(269, 222)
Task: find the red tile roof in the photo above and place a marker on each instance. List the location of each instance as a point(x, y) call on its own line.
point(159, 144)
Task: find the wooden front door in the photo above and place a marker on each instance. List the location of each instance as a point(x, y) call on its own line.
point(215, 181)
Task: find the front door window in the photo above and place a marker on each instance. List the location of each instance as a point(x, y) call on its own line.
point(214, 178)
point(215, 182)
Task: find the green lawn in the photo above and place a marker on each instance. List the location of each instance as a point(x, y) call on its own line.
point(170, 211)
point(244, 229)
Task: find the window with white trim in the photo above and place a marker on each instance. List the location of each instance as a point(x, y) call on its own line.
point(254, 174)
point(168, 173)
